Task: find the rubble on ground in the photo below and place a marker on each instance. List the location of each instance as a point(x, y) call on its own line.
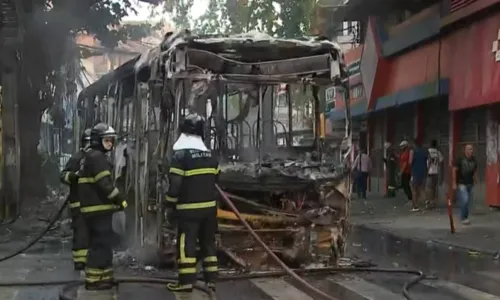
point(35, 216)
point(298, 207)
point(304, 168)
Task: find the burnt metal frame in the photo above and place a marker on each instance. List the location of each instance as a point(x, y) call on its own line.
point(303, 70)
point(309, 70)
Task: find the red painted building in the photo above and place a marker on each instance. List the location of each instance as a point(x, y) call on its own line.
point(437, 76)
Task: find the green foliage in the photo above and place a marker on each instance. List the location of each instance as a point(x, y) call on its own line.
point(180, 11)
point(70, 17)
point(136, 32)
point(212, 22)
point(283, 18)
point(296, 17)
point(50, 25)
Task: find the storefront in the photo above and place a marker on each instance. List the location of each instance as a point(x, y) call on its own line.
point(474, 73)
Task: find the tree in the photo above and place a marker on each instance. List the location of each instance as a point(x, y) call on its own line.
point(283, 18)
point(212, 20)
point(180, 11)
point(296, 18)
point(48, 44)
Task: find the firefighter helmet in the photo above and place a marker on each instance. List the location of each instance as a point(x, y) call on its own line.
point(193, 124)
point(85, 137)
point(98, 133)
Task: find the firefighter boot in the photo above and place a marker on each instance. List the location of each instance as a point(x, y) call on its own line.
point(211, 286)
point(181, 288)
point(79, 266)
point(99, 286)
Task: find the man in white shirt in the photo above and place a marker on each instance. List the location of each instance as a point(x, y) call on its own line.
point(434, 160)
point(362, 166)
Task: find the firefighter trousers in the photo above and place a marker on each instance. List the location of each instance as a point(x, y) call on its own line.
point(80, 240)
point(193, 227)
point(99, 270)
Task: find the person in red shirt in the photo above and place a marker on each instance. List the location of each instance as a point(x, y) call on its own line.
point(405, 168)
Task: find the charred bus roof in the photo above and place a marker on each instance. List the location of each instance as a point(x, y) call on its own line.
point(249, 57)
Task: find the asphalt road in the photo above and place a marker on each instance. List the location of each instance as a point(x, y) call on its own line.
point(45, 267)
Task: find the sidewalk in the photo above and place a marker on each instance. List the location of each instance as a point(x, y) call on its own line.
point(392, 216)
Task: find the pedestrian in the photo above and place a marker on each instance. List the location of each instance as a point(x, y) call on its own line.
point(418, 173)
point(190, 200)
point(99, 199)
point(405, 169)
point(391, 163)
point(362, 167)
point(434, 161)
point(464, 178)
point(80, 234)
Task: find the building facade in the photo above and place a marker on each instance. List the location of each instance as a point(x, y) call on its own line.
point(434, 75)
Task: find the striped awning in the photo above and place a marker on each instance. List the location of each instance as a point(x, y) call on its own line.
point(459, 4)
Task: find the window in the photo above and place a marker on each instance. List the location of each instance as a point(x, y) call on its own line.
point(330, 106)
point(281, 100)
point(357, 91)
point(330, 95)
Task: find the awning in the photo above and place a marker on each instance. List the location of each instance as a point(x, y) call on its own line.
point(357, 109)
point(414, 94)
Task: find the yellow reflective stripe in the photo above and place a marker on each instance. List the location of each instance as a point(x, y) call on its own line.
point(85, 180)
point(93, 271)
point(113, 193)
point(97, 279)
point(201, 171)
point(210, 269)
point(170, 199)
point(96, 208)
point(176, 171)
point(66, 177)
point(81, 252)
point(80, 259)
point(198, 205)
point(187, 271)
point(210, 259)
point(74, 204)
point(94, 179)
point(124, 204)
point(101, 175)
point(194, 172)
point(182, 251)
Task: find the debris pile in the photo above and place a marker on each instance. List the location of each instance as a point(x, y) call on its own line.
point(297, 207)
point(275, 174)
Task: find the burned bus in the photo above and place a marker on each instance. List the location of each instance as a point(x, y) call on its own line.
point(295, 195)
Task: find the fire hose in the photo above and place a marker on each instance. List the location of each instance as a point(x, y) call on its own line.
point(303, 282)
point(39, 236)
point(70, 285)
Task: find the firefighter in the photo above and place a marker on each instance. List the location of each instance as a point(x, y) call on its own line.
point(191, 198)
point(391, 165)
point(69, 176)
point(99, 200)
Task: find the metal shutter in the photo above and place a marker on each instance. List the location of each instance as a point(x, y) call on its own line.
point(473, 131)
point(377, 151)
point(443, 122)
point(430, 121)
point(378, 131)
point(403, 122)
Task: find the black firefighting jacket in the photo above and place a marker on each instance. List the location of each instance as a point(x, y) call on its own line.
point(70, 178)
point(192, 178)
point(96, 189)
